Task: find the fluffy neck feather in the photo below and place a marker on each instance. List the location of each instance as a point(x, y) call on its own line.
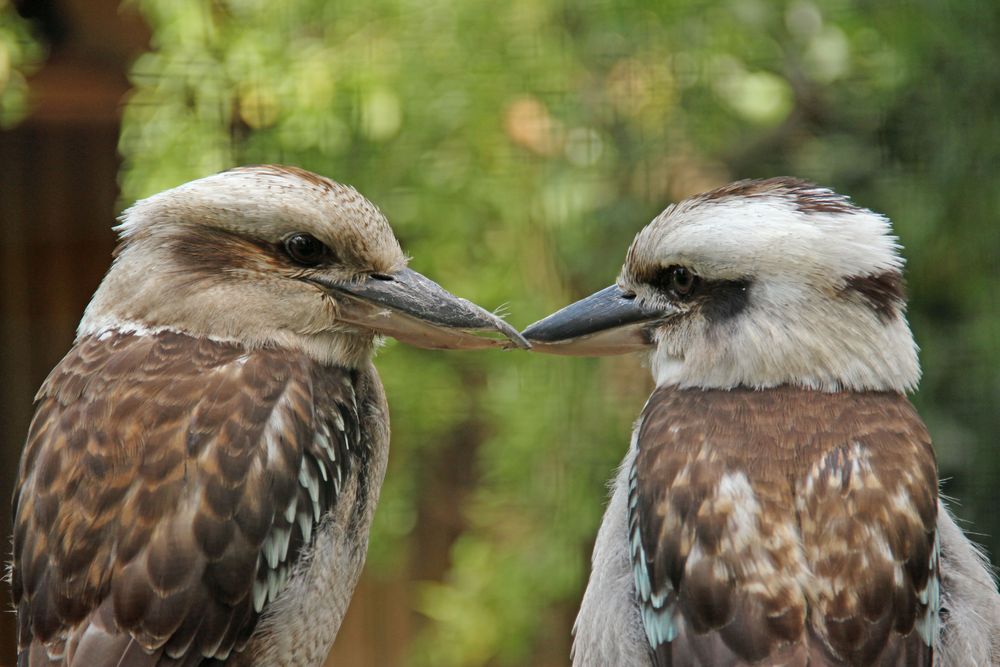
point(790, 337)
point(143, 292)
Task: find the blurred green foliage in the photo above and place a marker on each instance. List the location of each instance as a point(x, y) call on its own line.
point(516, 147)
point(19, 54)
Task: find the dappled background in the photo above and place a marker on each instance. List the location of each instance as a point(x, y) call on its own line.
point(516, 147)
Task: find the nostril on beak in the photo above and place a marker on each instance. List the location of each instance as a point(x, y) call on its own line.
point(628, 296)
point(382, 276)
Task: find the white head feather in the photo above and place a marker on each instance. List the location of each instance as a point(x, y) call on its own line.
point(199, 259)
point(811, 284)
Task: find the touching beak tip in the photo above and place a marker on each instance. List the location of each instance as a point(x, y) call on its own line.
point(414, 309)
point(606, 322)
point(517, 340)
point(530, 332)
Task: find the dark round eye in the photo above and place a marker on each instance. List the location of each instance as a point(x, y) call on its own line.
point(305, 249)
point(682, 280)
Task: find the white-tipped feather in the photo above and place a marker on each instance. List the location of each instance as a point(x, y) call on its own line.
point(825, 311)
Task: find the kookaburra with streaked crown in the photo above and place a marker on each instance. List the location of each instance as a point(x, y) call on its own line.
point(778, 503)
point(203, 466)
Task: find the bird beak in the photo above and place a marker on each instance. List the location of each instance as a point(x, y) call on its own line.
point(416, 310)
point(607, 322)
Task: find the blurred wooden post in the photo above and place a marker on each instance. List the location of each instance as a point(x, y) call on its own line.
point(58, 171)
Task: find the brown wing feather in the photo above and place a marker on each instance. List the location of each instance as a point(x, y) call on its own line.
point(784, 527)
point(165, 489)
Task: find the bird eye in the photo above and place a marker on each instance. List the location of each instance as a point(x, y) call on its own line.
point(682, 281)
point(678, 280)
point(305, 249)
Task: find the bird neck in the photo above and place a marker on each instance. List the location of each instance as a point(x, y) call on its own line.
point(833, 348)
point(153, 300)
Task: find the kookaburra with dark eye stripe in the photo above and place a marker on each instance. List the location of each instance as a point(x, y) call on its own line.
point(778, 503)
point(203, 466)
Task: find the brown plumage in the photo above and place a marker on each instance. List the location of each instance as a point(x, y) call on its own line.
point(778, 501)
point(203, 466)
point(785, 526)
point(169, 483)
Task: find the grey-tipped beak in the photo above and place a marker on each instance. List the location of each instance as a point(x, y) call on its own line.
point(606, 322)
point(416, 310)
